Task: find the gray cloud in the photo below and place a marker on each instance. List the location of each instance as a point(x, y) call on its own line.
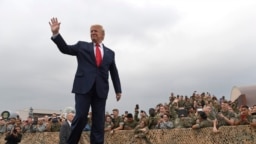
point(160, 48)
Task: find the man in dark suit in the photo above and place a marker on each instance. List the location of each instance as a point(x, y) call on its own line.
point(65, 128)
point(91, 86)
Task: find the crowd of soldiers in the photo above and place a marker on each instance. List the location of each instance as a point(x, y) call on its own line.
point(197, 111)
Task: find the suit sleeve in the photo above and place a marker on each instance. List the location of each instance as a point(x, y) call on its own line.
point(115, 77)
point(63, 47)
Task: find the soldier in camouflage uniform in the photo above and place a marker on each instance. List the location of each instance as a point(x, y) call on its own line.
point(225, 117)
point(192, 115)
point(243, 118)
point(211, 115)
point(108, 123)
point(130, 123)
point(27, 126)
point(164, 122)
point(143, 114)
point(141, 130)
point(183, 122)
point(187, 103)
point(216, 105)
point(253, 114)
point(173, 111)
point(181, 102)
point(203, 122)
point(117, 121)
point(152, 119)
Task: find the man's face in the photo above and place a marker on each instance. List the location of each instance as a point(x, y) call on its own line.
point(142, 124)
point(162, 109)
point(244, 111)
point(142, 114)
point(108, 119)
point(207, 109)
point(97, 33)
point(224, 106)
point(12, 120)
point(129, 119)
point(17, 121)
point(115, 113)
point(165, 117)
point(18, 129)
point(254, 109)
point(40, 122)
point(70, 116)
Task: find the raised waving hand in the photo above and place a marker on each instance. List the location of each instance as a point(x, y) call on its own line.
point(55, 26)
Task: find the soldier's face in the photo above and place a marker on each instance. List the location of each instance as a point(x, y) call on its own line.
point(244, 111)
point(115, 113)
point(224, 106)
point(142, 124)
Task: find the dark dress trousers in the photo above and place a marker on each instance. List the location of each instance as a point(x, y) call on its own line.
point(90, 86)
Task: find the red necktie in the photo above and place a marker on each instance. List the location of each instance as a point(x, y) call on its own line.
point(98, 55)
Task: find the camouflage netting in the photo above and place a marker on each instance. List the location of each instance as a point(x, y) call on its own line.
point(227, 135)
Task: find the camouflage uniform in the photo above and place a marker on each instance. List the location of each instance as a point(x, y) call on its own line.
point(228, 114)
point(193, 118)
point(55, 127)
point(216, 106)
point(29, 128)
point(117, 121)
point(136, 117)
point(211, 116)
point(184, 122)
point(253, 117)
point(128, 125)
point(205, 123)
point(152, 121)
point(187, 104)
point(108, 125)
point(139, 133)
point(248, 119)
point(173, 112)
point(181, 103)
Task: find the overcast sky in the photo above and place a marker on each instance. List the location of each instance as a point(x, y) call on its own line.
point(161, 46)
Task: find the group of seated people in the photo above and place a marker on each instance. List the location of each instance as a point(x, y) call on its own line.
point(196, 111)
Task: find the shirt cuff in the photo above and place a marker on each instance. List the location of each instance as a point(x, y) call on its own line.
point(54, 36)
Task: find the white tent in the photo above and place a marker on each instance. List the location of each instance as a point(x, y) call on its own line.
point(248, 91)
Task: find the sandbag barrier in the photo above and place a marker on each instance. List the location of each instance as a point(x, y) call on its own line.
point(242, 134)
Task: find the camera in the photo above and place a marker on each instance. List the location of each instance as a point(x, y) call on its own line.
point(253, 113)
point(35, 121)
point(137, 106)
point(55, 120)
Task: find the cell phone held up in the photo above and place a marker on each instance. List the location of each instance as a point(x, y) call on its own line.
point(137, 106)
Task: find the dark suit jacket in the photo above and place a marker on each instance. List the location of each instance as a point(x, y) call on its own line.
point(64, 134)
point(88, 73)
